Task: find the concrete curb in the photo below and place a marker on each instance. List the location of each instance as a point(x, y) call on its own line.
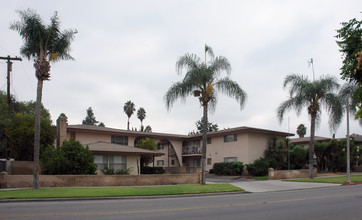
point(120, 197)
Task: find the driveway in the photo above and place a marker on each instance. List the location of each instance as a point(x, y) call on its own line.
point(252, 185)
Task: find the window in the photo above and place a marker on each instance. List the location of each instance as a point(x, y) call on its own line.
point(116, 162)
point(161, 147)
point(196, 163)
point(160, 163)
point(230, 138)
point(209, 161)
point(72, 135)
point(172, 162)
point(230, 159)
point(208, 140)
point(101, 161)
point(122, 140)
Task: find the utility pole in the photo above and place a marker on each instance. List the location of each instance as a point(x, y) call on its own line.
point(10, 65)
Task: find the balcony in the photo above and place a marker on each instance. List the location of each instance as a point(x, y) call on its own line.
point(194, 150)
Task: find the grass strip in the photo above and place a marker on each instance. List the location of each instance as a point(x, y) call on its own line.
point(332, 179)
point(261, 177)
point(116, 191)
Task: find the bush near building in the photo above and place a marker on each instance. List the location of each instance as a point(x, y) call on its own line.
point(259, 167)
point(71, 158)
point(228, 168)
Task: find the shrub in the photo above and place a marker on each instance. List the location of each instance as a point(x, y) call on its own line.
point(259, 167)
point(116, 172)
point(228, 168)
point(153, 170)
point(70, 158)
point(298, 157)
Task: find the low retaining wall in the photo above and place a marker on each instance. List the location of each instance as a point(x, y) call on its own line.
point(289, 174)
point(26, 181)
point(357, 169)
point(183, 170)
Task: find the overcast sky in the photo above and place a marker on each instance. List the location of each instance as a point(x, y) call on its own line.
point(127, 50)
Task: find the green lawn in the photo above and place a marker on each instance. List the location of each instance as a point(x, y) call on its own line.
point(261, 177)
point(116, 191)
point(332, 179)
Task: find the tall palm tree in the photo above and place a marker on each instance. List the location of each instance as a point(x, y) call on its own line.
point(129, 109)
point(313, 95)
point(199, 81)
point(44, 43)
point(141, 115)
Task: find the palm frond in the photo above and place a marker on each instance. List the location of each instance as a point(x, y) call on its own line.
point(177, 90)
point(188, 62)
point(218, 65)
point(232, 89)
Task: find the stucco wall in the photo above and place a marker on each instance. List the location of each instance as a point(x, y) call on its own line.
point(25, 181)
point(132, 161)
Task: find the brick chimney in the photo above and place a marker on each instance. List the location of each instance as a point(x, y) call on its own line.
point(62, 124)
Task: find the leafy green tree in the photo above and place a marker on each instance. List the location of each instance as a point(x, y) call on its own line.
point(101, 124)
point(141, 115)
point(200, 127)
point(129, 109)
point(148, 128)
point(45, 44)
point(277, 153)
point(350, 43)
point(147, 144)
point(17, 129)
point(20, 135)
point(298, 157)
point(313, 95)
point(346, 95)
point(199, 81)
point(301, 130)
point(90, 119)
point(71, 158)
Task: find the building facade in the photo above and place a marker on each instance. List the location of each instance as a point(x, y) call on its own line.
point(177, 153)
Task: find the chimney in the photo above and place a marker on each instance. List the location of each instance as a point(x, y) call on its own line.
point(62, 125)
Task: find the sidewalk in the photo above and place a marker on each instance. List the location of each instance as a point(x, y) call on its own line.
point(278, 185)
point(251, 185)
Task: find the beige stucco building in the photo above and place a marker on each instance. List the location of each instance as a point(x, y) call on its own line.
point(177, 153)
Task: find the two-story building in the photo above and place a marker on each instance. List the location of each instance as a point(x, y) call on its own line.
point(116, 148)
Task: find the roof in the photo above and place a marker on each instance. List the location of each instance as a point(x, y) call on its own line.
point(307, 139)
point(105, 147)
point(98, 129)
point(243, 129)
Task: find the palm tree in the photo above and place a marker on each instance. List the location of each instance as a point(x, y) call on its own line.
point(199, 81)
point(141, 115)
point(301, 130)
point(44, 43)
point(304, 93)
point(129, 108)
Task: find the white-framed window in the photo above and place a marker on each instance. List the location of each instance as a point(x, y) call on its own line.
point(122, 140)
point(117, 162)
point(101, 161)
point(230, 159)
point(230, 138)
point(160, 162)
point(161, 147)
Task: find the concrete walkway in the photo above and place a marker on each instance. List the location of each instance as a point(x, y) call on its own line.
point(251, 185)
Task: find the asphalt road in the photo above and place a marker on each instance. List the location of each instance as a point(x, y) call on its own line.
point(343, 202)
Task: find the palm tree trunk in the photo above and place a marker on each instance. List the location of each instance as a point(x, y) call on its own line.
point(204, 142)
point(311, 146)
point(128, 124)
point(36, 167)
